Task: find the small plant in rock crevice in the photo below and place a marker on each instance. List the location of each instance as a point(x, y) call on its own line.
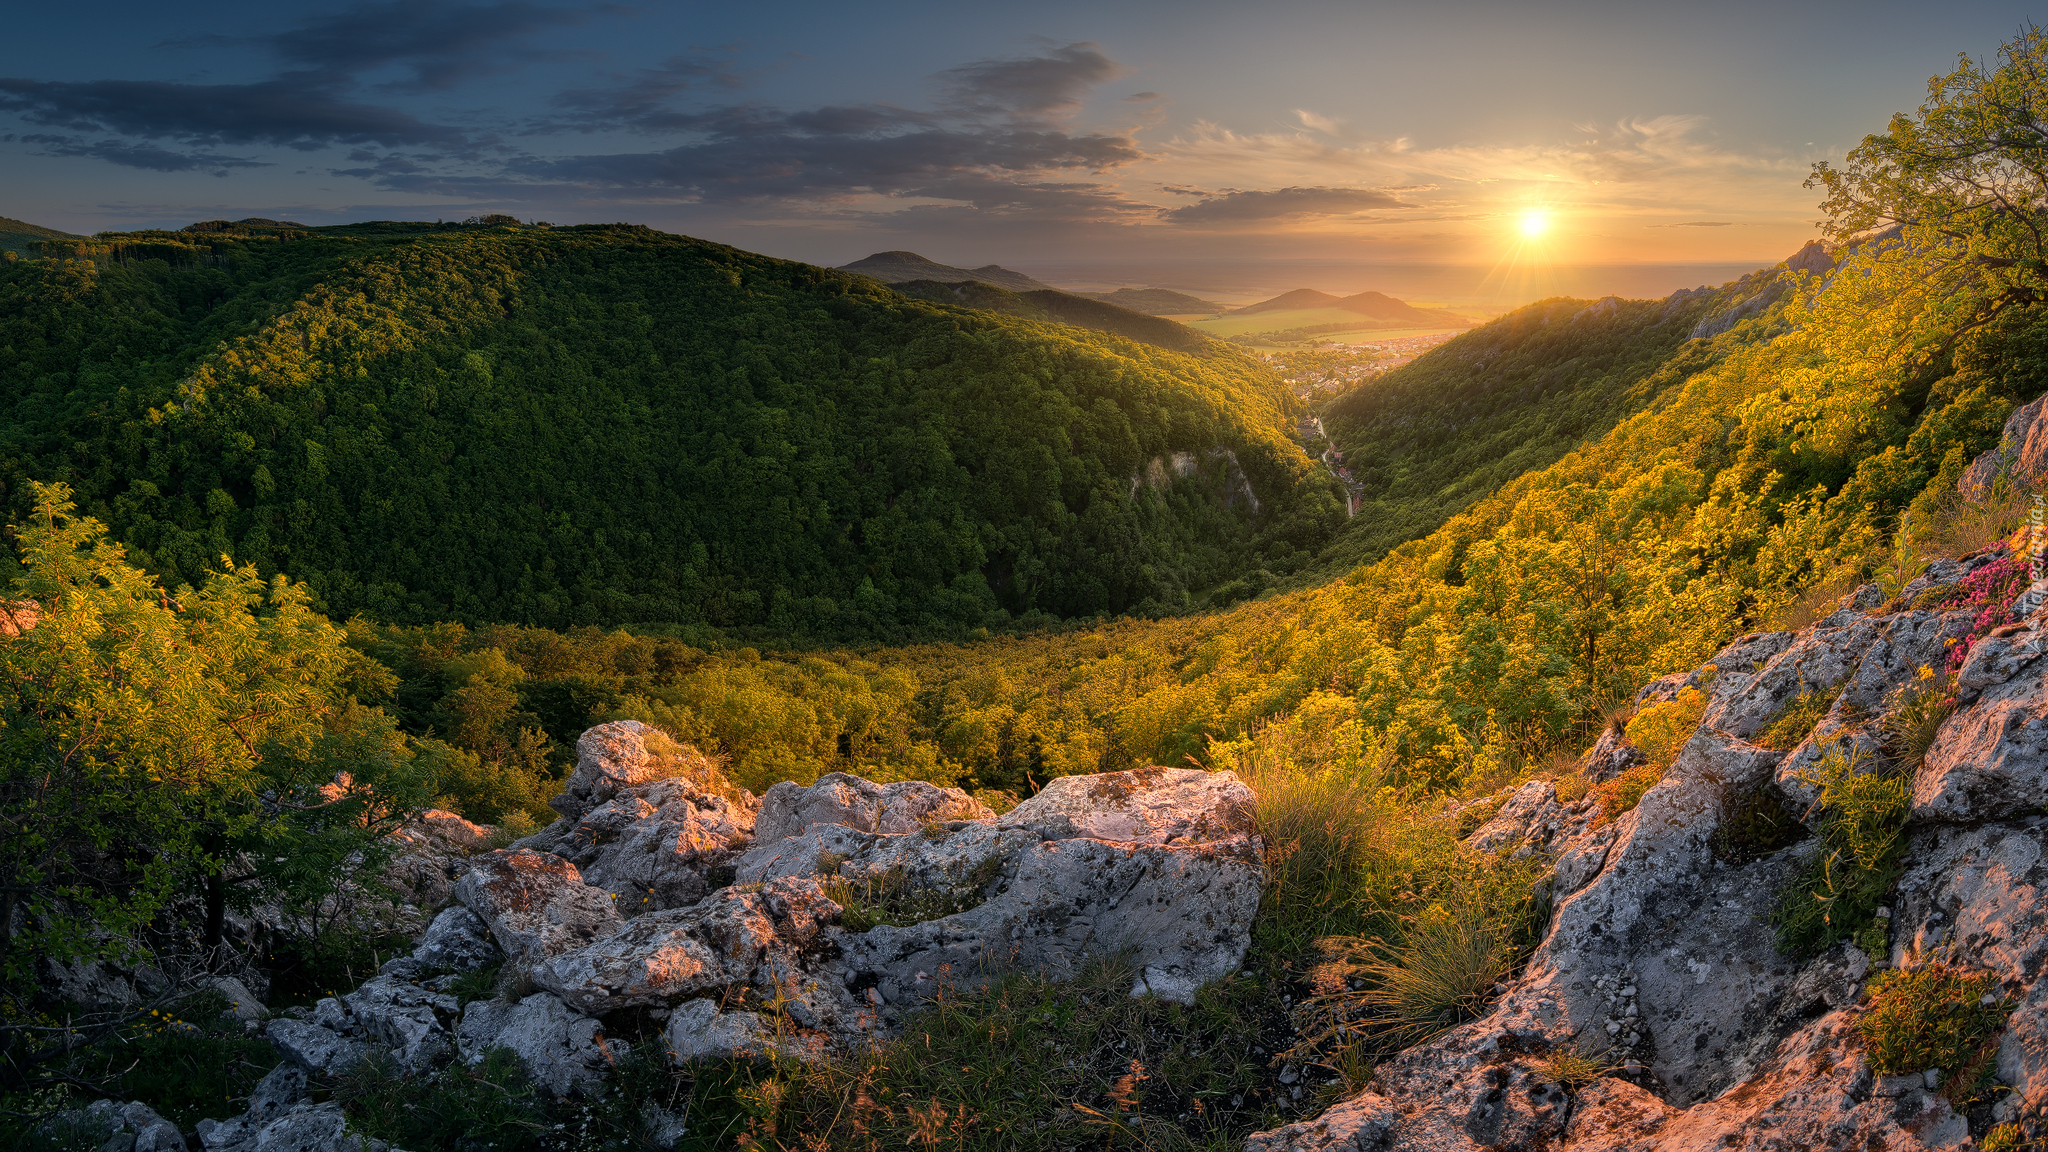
point(892, 897)
point(1796, 720)
point(1936, 1016)
point(1913, 715)
point(1572, 1069)
point(1861, 811)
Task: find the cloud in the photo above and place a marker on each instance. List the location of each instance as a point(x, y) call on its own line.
point(141, 155)
point(292, 111)
point(1248, 207)
point(442, 44)
point(642, 102)
point(1321, 124)
point(1046, 87)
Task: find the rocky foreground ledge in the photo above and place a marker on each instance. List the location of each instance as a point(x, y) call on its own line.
point(1659, 960)
point(806, 922)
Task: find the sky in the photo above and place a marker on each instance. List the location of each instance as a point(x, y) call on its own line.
point(1062, 135)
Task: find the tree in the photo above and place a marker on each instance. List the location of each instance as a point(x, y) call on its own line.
point(154, 744)
point(1965, 183)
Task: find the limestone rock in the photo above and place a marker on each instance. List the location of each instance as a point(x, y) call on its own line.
point(315, 1048)
point(1534, 818)
point(699, 1031)
point(536, 904)
point(790, 809)
point(654, 846)
point(1609, 757)
point(405, 1018)
point(625, 753)
point(561, 1050)
point(1364, 1123)
point(457, 940)
point(1990, 760)
point(2022, 452)
point(242, 1003)
point(736, 937)
point(1141, 806)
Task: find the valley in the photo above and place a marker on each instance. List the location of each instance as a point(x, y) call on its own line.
point(499, 685)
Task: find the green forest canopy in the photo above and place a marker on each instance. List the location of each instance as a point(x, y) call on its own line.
point(608, 424)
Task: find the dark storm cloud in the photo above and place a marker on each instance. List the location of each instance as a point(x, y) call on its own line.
point(1047, 86)
point(443, 44)
point(293, 111)
point(642, 103)
point(144, 156)
point(1253, 206)
point(759, 158)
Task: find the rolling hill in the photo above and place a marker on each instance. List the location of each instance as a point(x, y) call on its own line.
point(894, 267)
point(603, 424)
point(17, 235)
point(1058, 307)
point(1371, 305)
point(1155, 301)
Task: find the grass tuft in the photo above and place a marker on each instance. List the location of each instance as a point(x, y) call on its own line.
point(1930, 1017)
point(889, 896)
point(1914, 713)
point(1795, 721)
point(1572, 1070)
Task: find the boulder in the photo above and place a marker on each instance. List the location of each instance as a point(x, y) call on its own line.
point(1364, 1123)
point(563, 1051)
point(790, 809)
point(242, 1003)
point(1141, 806)
point(536, 904)
point(457, 941)
point(275, 1097)
point(1990, 759)
point(406, 1018)
point(754, 935)
point(699, 1031)
point(111, 1124)
point(317, 1049)
point(626, 753)
point(655, 846)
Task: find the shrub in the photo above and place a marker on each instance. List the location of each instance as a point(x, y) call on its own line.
point(889, 897)
point(1862, 815)
point(1932, 1017)
point(1625, 791)
point(1914, 713)
point(1796, 719)
point(1660, 730)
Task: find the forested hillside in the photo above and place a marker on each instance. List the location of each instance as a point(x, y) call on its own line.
point(599, 425)
point(1432, 436)
point(1059, 307)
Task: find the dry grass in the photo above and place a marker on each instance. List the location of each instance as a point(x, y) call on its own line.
point(1573, 1069)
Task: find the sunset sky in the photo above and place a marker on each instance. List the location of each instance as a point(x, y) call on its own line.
point(1453, 133)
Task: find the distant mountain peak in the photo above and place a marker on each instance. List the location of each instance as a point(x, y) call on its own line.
point(897, 266)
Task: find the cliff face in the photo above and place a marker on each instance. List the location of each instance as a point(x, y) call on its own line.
point(1662, 964)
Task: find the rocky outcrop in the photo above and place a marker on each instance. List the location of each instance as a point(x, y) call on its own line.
point(2022, 452)
point(851, 802)
point(536, 903)
point(1660, 961)
point(562, 1050)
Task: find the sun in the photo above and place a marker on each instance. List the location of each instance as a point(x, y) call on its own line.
point(1535, 224)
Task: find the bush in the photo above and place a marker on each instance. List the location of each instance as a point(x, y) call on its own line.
point(1625, 791)
point(1862, 816)
point(1660, 730)
point(1914, 713)
point(1933, 1017)
point(1796, 719)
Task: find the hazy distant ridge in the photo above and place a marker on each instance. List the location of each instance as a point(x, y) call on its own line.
point(16, 234)
point(1371, 305)
point(897, 267)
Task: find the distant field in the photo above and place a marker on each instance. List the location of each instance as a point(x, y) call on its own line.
point(1228, 326)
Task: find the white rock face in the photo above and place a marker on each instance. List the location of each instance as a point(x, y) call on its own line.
point(536, 904)
point(699, 1031)
point(457, 940)
point(625, 754)
point(1660, 959)
point(562, 1050)
point(315, 1048)
point(405, 1018)
point(654, 845)
point(905, 806)
point(1142, 806)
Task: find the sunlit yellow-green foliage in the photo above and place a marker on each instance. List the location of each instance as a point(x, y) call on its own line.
point(1661, 729)
point(1503, 636)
